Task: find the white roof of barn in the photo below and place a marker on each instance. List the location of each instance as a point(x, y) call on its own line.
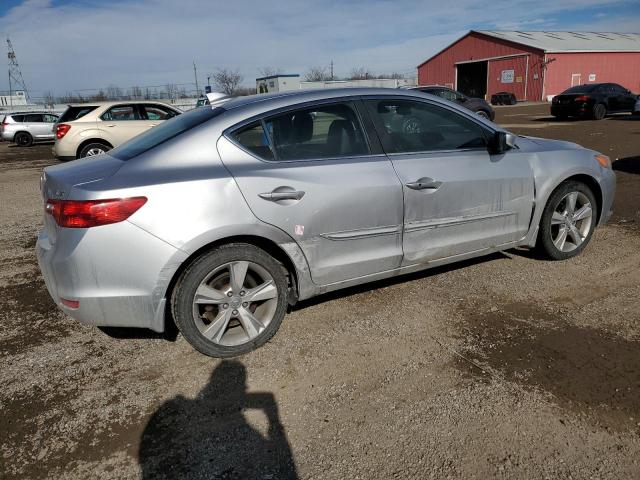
point(571, 41)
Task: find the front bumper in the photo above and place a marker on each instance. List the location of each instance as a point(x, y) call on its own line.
point(608, 188)
point(118, 273)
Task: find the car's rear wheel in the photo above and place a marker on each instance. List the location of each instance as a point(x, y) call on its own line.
point(231, 300)
point(599, 111)
point(94, 148)
point(568, 221)
point(23, 139)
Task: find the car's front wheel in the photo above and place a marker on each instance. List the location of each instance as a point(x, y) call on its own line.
point(483, 114)
point(231, 300)
point(568, 221)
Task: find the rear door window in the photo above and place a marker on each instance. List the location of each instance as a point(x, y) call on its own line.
point(33, 118)
point(49, 118)
point(121, 113)
point(75, 113)
point(323, 131)
point(17, 118)
point(408, 126)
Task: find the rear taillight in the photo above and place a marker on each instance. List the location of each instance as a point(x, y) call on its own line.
point(93, 213)
point(582, 98)
point(61, 130)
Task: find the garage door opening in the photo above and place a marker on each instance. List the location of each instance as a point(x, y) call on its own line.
point(472, 78)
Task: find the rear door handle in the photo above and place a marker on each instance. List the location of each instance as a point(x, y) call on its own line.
point(424, 183)
point(286, 195)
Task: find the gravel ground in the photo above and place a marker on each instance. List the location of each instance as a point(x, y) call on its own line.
point(503, 367)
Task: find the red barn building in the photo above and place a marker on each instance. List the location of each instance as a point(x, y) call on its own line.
point(533, 65)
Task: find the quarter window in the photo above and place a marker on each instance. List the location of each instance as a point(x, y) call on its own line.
point(254, 139)
point(408, 126)
point(323, 131)
point(121, 113)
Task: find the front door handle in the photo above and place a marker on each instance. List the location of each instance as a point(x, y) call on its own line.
point(276, 196)
point(424, 183)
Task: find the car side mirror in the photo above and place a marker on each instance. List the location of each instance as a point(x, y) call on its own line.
point(501, 142)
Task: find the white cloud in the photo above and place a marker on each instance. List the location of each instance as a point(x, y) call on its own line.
point(153, 42)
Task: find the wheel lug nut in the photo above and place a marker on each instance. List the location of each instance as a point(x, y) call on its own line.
point(235, 312)
point(226, 305)
point(229, 294)
point(242, 293)
point(245, 304)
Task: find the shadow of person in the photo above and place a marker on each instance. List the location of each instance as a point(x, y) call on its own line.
point(209, 436)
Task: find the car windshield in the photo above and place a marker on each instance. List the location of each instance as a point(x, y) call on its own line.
point(168, 130)
point(581, 89)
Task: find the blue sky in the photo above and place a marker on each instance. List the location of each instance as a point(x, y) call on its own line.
point(71, 45)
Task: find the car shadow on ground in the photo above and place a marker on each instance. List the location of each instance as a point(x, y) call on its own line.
point(627, 165)
point(210, 436)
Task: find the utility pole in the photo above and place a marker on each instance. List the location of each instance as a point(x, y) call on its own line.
point(332, 69)
point(15, 75)
point(195, 74)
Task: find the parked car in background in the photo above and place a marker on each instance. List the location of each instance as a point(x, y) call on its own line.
point(24, 128)
point(94, 128)
point(594, 100)
point(636, 107)
point(227, 214)
point(503, 98)
point(477, 105)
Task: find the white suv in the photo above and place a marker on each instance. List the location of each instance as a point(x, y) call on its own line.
point(94, 128)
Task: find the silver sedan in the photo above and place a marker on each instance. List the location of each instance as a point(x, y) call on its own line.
point(220, 218)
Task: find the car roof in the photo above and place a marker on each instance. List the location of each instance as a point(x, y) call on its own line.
point(300, 96)
point(118, 102)
point(26, 113)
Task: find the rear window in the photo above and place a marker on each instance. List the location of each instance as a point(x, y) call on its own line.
point(16, 118)
point(166, 131)
point(581, 89)
point(74, 113)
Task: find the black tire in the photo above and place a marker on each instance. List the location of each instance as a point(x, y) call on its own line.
point(483, 114)
point(513, 101)
point(23, 139)
point(93, 146)
point(184, 292)
point(599, 111)
point(545, 236)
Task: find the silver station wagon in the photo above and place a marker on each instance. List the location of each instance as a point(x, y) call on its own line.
point(222, 217)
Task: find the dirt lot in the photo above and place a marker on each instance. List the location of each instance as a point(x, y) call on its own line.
point(504, 367)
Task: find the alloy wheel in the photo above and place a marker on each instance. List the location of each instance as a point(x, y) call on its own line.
point(95, 151)
point(235, 303)
point(571, 221)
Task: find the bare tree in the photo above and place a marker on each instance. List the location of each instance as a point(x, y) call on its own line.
point(227, 81)
point(360, 73)
point(114, 92)
point(317, 74)
point(172, 90)
point(136, 93)
point(269, 71)
point(48, 99)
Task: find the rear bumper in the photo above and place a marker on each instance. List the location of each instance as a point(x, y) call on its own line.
point(7, 136)
point(118, 273)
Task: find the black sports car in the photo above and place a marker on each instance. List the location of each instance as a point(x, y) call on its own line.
point(477, 105)
point(594, 100)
